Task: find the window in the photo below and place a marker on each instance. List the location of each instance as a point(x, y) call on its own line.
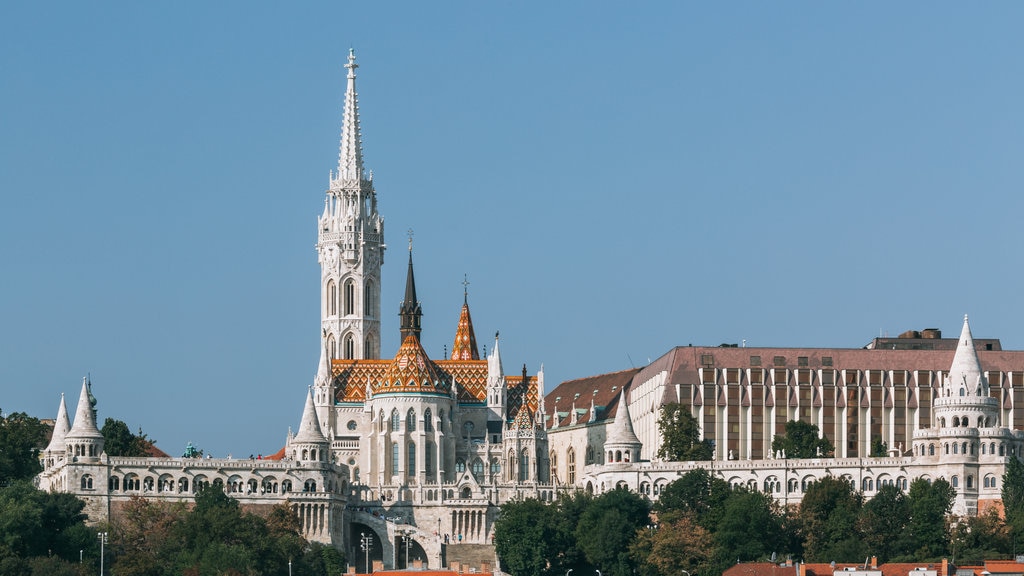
point(755, 360)
point(332, 298)
point(86, 482)
point(478, 469)
point(495, 467)
point(350, 347)
point(410, 421)
point(350, 297)
point(351, 425)
point(428, 423)
point(524, 466)
point(428, 458)
point(779, 360)
point(826, 360)
point(412, 459)
point(394, 458)
point(801, 361)
point(553, 459)
point(707, 360)
point(955, 482)
point(460, 465)
point(369, 300)
point(396, 421)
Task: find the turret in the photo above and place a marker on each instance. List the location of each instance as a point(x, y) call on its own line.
point(309, 444)
point(622, 444)
point(56, 449)
point(84, 442)
point(497, 404)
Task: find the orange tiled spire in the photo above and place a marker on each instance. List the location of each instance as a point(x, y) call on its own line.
point(464, 347)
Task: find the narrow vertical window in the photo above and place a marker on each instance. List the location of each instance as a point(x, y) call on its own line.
point(332, 298)
point(350, 347)
point(350, 297)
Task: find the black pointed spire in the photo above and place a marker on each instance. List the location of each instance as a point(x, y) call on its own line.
point(410, 312)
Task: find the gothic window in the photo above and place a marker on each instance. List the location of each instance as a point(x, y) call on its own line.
point(478, 469)
point(931, 449)
point(412, 459)
point(524, 466)
point(350, 347)
point(332, 298)
point(410, 421)
point(309, 486)
point(553, 460)
point(396, 420)
point(368, 299)
point(495, 467)
point(590, 455)
point(332, 347)
point(394, 458)
point(350, 297)
point(114, 483)
point(955, 482)
point(460, 465)
point(428, 458)
point(510, 465)
point(86, 482)
point(368, 347)
point(570, 459)
point(428, 423)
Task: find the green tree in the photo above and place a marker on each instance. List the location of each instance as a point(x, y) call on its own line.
point(802, 440)
point(879, 449)
point(883, 522)
point(21, 439)
point(118, 440)
point(36, 523)
point(828, 520)
point(696, 492)
point(524, 536)
point(680, 435)
point(607, 527)
point(750, 528)
point(678, 543)
point(1013, 498)
point(977, 538)
point(570, 508)
point(928, 530)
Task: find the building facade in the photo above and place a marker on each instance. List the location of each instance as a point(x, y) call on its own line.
point(407, 456)
point(946, 408)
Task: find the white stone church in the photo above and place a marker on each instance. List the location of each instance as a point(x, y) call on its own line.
point(411, 457)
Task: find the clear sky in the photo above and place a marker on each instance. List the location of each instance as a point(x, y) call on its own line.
point(615, 178)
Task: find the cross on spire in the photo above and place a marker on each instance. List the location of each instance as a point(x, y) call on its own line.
point(465, 288)
point(410, 234)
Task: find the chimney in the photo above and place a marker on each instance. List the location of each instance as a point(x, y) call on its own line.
point(874, 562)
point(485, 567)
point(945, 568)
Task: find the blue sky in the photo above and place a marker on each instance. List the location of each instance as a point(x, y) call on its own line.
point(615, 179)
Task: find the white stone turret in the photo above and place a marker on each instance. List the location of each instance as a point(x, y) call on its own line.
point(323, 387)
point(309, 444)
point(55, 452)
point(622, 444)
point(350, 246)
point(83, 442)
point(497, 402)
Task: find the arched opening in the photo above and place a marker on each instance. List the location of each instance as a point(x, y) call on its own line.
point(350, 297)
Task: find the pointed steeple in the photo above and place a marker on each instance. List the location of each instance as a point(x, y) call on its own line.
point(350, 158)
point(465, 347)
point(309, 428)
point(622, 441)
point(494, 367)
point(85, 417)
point(60, 429)
point(323, 371)
point(965, 375)
point(410, 312)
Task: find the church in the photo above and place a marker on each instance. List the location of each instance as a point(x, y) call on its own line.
point(405, 459)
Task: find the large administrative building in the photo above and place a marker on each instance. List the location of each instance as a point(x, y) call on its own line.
point(405, 458)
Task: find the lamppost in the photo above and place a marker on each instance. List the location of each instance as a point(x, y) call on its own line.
point(408, 537)
point(102, 537)
point(290, 566)
point(365, 542)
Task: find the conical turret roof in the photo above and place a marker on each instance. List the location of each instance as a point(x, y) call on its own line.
point(621, 431)
point(60, 428)
point(309, 428)
point(85, 419)
point(965, 372)
point(465, 347)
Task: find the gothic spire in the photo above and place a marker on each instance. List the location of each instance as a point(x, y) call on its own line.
point(309, 428)
point(60, 428)
point(965, 373)
point(85, 417)
point(323, 371)
point(465, 347)
point(350, 158)
point(410, 312)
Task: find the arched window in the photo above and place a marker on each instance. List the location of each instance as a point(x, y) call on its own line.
point(332, 347)
point(369, 299)
point(460, 465)
point(410, 421)
point(970, 481)
point(428, 422)
point(412, 459)
point(955, 482)
point(495, 467)
point(1002, 449)
point(394, 458)
point(350, 347)
point(332, 298)
point(570, 462)
point(86, 482)
point(114, 483)
point(963, 448)
point(553, 460)
point(478, 469)
point(524, 466)
point(956, 448)
point(428, 458)
point(982, 448)
point(931, 449)
point(350, 297)
point(368, 351)
point(396, 420)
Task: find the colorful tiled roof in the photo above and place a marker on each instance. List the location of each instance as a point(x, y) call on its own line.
point(465, 347)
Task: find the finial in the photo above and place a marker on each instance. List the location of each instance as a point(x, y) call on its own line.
point(351, 63)
point(465, 288)
point(496, 332)
point(410, 233)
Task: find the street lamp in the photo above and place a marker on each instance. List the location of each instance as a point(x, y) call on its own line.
point(289, 566)
point(569, 572)
point(102, 537)
point(365, 542)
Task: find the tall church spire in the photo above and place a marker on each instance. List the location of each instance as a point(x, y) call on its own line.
point(350, 245)
point(350, 157)
point(410, 312)
point(465, 347)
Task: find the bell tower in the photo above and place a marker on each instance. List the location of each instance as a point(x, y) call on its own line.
point(350, 245)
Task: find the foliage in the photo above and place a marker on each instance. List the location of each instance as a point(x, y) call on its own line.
point(699, 493)
point(680, 435)
point(1013, 498)
point(879, 449)
point(34, 523)
point(607, 527)
point(828, 518)
point(883, 521)
point(678, 543)
point(118, 440)
point(928, 530)
point(21, 439)
point(750, 527)
point(981, 537)
point(524, 536)
point(802, 440)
